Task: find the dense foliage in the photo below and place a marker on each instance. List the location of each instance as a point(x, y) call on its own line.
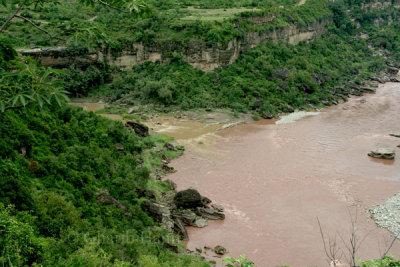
point(167, 23)
point(54, 160)
point(271, 78)
point(52, 163)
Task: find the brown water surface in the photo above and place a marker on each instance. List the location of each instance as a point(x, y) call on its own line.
point(275, 180)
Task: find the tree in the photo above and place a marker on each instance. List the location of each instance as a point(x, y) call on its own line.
point(127, 6)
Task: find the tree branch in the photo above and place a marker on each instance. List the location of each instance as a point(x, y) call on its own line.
point(13, 107)
point(113, 7)
point(12, 16)
point(39, 28)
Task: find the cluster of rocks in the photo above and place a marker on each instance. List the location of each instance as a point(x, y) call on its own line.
point(385, 153)
point(387, 215)
point(184, 208)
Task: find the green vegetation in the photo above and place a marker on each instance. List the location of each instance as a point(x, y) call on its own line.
point(169, 24)
point(53, 162)
point(55, 159)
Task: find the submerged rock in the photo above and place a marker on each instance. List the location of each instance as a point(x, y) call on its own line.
point(140, 129)
point(220, 250)
point(382, 153)
point(395, 134)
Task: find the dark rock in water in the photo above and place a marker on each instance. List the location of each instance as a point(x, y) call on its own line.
point(205, 200)
point(382, 153)
point(103, 197)
point(189, 198)
point(392, 70)
point(396, 134)
point(140, 129)
point(180, 229)
point(156, 211)
point(394, 79)
point(210, 214)
point(220, 250)
point(145, 193)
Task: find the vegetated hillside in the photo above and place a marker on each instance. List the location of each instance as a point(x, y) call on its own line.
point(272, 78)
point(172, 23)
point(55, 165)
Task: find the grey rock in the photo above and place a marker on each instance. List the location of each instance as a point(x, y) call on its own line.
point(218, 207)
point(140, 129)
point(119, 147)
point(210, 214)
point(200, 223)
point(382, 153)
point(103, 197)
point(157, 211)
point(180, 229)
point(173, 146)
point(392, 70)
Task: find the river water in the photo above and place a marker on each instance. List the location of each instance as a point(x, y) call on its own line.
point(275, 180)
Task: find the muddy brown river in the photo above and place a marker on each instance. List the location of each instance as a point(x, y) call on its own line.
point(275, 180)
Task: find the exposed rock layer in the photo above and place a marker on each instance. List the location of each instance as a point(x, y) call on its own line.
point(196, 53)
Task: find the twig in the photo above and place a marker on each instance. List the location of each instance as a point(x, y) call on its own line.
point(39, 28)
point(390, 246)
point(12, 16)
point(13, 107)
point(113, 7)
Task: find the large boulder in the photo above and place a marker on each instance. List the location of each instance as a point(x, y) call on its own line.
point(383, 153)
point(189, 198)
point(140, 129)
point(157, 211)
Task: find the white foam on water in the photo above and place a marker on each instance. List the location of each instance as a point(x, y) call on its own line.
point(295, 116)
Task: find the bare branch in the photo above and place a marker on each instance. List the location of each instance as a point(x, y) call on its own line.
point(13, 107)
point(390, 246)
point(12, 16)
point(39, 28)
point(113, 7)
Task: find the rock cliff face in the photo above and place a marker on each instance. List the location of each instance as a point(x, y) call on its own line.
point(196, 53)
